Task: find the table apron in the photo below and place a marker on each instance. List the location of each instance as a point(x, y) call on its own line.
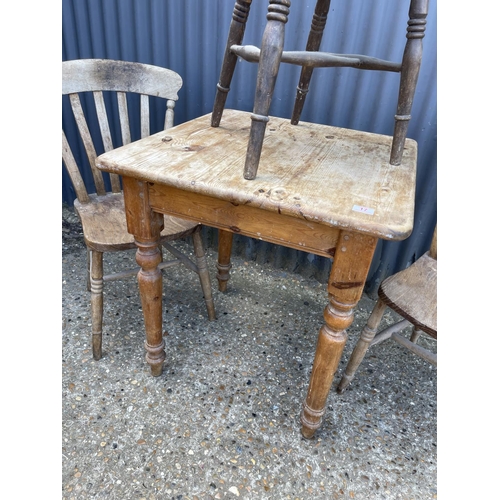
point(257, 223)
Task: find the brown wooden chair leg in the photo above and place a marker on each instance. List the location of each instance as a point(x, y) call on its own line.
point(362, 345)
point(96, 301)
point(201, 262)
point(235, 37)
point(88, 268)
point(412, 58)
point(273, 40)
point(415, 334)
point(313, 44)
point(224, 260)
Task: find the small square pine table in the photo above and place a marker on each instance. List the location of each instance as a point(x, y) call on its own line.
point(320, 189)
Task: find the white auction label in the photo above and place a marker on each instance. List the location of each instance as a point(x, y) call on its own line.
point(363, 210)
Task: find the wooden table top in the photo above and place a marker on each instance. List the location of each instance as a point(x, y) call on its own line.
point(333, 176)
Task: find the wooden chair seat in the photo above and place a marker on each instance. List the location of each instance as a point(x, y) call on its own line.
point(105, 225)
point(412, 293)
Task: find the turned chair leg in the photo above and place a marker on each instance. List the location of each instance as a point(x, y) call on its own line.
point(362, 345)
point(415, 334)
point(273, 40)
point(235, 37)
point(201, 262)
point(313, 43)
point(96, 301)
point(88, 268)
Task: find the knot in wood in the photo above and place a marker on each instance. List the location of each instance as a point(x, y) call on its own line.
point(278, 194)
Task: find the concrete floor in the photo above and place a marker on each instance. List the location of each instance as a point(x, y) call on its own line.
point(223, 419)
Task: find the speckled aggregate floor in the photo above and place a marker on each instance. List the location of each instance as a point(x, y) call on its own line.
point(223, 419)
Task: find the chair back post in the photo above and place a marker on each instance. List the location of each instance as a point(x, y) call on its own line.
point(410, 68)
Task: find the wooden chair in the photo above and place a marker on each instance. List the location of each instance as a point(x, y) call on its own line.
point(271, 55)
point(412, 293)
point(102, 214)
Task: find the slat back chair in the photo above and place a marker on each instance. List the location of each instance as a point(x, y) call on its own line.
point(271, 54)
point(102, 213)
point(412, 293)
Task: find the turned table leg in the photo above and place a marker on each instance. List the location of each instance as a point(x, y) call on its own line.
point(350, 267)
point(146, 227)
point(224, 261)
point(150, 285)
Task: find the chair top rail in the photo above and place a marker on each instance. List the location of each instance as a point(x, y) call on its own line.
point(85, 75)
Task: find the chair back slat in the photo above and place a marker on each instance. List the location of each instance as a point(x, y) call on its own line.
point(83, 128)
point(102, 117)
point(123, 113)
point(73, 171)
point(119, 77)
point(144, 116)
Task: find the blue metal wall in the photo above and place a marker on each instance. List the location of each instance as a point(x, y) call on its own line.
point(189, 36)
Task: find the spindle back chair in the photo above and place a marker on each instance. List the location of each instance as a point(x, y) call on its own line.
point(102, 213)
point(412, 293)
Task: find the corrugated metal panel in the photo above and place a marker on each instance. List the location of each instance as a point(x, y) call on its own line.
point(189, 37)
